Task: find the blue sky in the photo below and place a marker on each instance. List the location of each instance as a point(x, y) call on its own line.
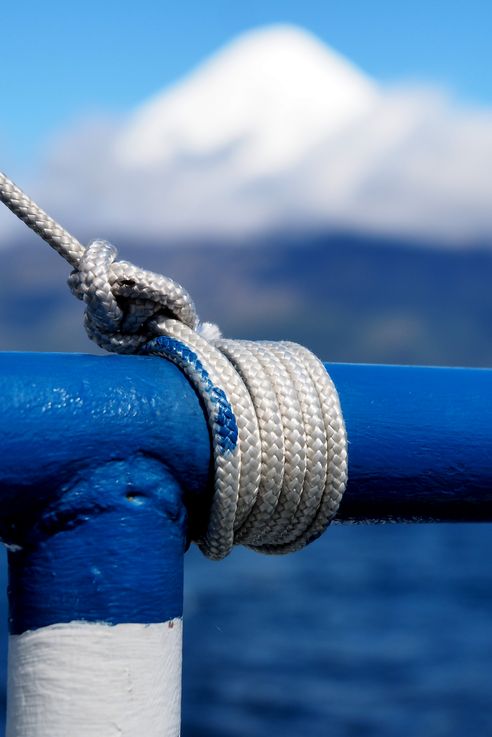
point(63, 60)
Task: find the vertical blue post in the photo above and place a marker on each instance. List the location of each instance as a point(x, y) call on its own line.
point(95, 610)
point(96, 463)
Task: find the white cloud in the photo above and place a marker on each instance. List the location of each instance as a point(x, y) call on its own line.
point(277, 131)
point(415, 164)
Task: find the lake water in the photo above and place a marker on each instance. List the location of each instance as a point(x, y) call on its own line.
point(381, 631)
point(372, 631)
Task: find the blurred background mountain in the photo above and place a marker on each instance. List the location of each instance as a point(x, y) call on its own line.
point(291, 194)
point(348, 297)
point(295, 196)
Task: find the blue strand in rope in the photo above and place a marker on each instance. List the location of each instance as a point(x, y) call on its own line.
point(224, 421)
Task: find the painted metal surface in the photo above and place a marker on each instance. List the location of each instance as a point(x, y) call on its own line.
point(64, 419)
point(420, 442)
point(111, 549)
point(89, 679)
point(103, 463)
point(420, 439)
point(93, 481)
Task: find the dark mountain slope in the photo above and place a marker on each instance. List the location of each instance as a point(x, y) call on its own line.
point(349, 298)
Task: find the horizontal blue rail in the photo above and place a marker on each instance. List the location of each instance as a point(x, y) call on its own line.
point(420, 442)
point(105, 462)
point(420, 439)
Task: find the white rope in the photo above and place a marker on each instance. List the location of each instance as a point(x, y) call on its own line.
point(278, 436)
point(121, 299)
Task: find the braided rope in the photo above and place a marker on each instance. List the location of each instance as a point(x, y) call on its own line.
point(41, 223)
point(278, 436)
point(121, 299)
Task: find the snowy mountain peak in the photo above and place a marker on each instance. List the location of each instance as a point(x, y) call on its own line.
point(276, 132)
point(262, 102)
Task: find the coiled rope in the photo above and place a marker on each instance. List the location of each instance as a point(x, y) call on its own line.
point(278, 436)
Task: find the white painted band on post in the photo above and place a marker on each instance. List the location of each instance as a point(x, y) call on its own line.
point(84, 679)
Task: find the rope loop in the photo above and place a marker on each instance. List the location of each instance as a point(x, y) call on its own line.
point(278, 435)
point(123, 301)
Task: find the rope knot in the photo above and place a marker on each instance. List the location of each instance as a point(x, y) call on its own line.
point(276, 424)
point(124, 303)
point(278, 436)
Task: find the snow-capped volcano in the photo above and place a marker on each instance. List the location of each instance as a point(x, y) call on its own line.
point(268, 98)
point(277, 131)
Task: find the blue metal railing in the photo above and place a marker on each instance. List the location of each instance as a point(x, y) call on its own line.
point(103, 458)
point(420, 442)
point(420, 439)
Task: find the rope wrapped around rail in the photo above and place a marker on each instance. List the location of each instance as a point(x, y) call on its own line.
point(277, 430)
